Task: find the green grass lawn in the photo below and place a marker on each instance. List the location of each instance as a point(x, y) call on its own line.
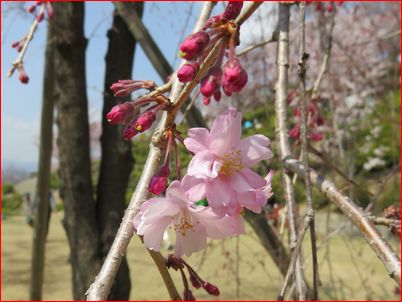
point(240, 267)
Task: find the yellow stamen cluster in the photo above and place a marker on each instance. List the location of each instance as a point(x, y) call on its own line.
point(231, 162)
point(183, 223)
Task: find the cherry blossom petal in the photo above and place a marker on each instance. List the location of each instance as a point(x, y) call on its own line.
point(225, 132)
point(194, 187)
point(193, 241)
point(254, 149)
point(204, 165)
point(255, 181)
point(153, 232)
point(197, 140)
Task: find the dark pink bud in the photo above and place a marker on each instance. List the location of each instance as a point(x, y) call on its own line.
point(193, 45)
point(158, 183)
point(211, 289)
point(211, 83)
point(316, 135)
point(145, 121)
point(217, 96)
point(120, 113)
point(188, 72)
point(318, 7)
point(188, 295)
point(129, 132)
point(330, 8)
point(40, 17)
point(126, 87)
point(206, 101)
point(320, 120)
point(15, 44)
point(234, 76)
point(295, 132)
point(32, 8)
point(232, 10)
point(23, 77)
point(194, 281)
point(50, 10)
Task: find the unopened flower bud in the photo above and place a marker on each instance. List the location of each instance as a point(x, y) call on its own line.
point(188, 295)
point(234, 76)
point(330, 7)
point(23, 77)
point(193, 45)
point(40, 17)
point(206, 101)
point(158, 183)
point(217, 96)
point(232, 10)
point(211, 83)
point(316, 135)
point(126, 87)
point(145, 121)
point(194, 281)
point(50, 10)
point(295, 132)
point(211, 289)
point(188, 72)
point(120, 113)
point(129, 132)
point(32, 8)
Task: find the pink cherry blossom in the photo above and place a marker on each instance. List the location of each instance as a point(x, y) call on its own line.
point(192, 223)
point(220, 169)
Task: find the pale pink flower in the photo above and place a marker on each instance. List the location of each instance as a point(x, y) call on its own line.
point(192, 223)
point(220, 169)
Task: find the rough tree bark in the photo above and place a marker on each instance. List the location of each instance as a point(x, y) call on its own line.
point(42, 189)
point(117, 160)
point(73, 140)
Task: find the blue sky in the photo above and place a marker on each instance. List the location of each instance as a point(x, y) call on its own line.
point(21, 104)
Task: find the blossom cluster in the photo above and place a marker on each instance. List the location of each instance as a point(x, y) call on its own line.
point(129, 114)
point(196, 47)
point(211, 197)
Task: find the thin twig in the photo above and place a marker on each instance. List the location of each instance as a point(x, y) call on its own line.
point(273, 38)
point(283, 141)
point(304, 146)
point(19, 62)
point(356, 215)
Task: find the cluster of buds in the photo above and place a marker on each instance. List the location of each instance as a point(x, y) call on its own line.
point(159, 180)
point(196, 47)
point(326, 7)
point(195, 279)
point(127, 113)
point(314, 121)
point(46, 7)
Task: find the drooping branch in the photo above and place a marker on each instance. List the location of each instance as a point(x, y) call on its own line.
point(303, 56)
point(100, 288)
point(282, 136)
point(356, 215)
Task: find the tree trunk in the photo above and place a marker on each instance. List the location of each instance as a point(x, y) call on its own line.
point(42, 189)
point(117, 160)
point(73, 141)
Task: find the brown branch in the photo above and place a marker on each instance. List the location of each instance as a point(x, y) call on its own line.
point(282, 138)
point(19, 62)
point(272, 39)
point(356, 215)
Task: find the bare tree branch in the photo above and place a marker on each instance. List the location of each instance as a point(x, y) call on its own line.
point(356, 215)
point(282, 137)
